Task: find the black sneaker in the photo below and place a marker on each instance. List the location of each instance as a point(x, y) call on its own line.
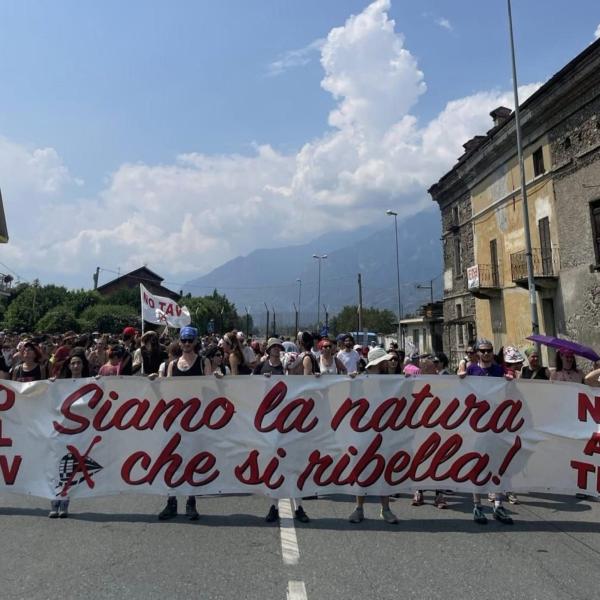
point(169, 511)
point(272, 515)
point(190, 509)
point(501, 515)
point(300, 515)
point(478, 515)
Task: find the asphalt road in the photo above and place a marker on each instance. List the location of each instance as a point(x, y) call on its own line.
point(116, 548)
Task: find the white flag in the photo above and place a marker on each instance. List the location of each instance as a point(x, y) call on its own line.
point(161, 310)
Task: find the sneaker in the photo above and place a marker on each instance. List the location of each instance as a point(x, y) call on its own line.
point(491, 497)
point(300, 515)
point(479, 516)
point(54, 508)
point(388, 516)
point(358, 515)
point(272, 515)
point(512, 498)
point(418, 499)
point(190, 509)
point(440, 501)
point(501, 515)
point(169, 511)
point(63, 509)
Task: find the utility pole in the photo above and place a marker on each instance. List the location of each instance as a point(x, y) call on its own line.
point(326, 318)
point(360, 310)
point(299, 305)
point(95, 277)
point(267, 328)
point(247, 322)
point(274, 321)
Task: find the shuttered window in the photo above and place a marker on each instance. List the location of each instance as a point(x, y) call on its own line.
point(595, 207)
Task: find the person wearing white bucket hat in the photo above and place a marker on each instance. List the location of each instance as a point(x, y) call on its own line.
point(378, 365)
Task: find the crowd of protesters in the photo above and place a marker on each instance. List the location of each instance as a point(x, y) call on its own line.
point(154, 354)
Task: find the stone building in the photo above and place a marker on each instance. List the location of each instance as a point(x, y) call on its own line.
point(454, 199)
point(575, 151)
point(483, 230)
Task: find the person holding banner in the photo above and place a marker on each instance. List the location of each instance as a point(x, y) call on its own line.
point(305, 364)
point(30, 369)
point(189, 364)
point(147, 358)
point(235, 353)
point(486, 367)
point(378, 365)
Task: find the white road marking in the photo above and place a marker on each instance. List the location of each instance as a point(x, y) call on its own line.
point(289, 543)
point(296, 590)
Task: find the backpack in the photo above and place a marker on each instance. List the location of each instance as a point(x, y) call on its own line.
point(297, 367)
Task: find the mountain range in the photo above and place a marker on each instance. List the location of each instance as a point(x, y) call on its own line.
point(284, 276)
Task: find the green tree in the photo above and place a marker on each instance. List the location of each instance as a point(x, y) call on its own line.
point(374, 319)
point(108, 318)
point(126, 297)
point(32, 303)
point(79, 300)
point(217, 308)
point(58, 320)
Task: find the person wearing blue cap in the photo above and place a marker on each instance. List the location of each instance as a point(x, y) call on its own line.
point(188, 364)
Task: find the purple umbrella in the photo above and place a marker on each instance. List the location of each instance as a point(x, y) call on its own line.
point(561, 344)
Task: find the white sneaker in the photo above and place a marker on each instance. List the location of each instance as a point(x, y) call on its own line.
point(358, 515)
point(388, 516)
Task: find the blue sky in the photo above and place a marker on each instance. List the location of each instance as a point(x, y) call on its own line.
point(113, 112)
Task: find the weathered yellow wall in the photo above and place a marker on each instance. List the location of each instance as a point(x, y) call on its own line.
point(507, 320)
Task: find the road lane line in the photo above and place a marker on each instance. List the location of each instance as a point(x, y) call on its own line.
point(296, 590)
point(289, 543)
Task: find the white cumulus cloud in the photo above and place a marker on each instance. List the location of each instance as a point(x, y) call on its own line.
point(187, 217)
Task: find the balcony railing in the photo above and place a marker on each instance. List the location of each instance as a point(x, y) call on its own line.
point(482, 276)
point(546, 264)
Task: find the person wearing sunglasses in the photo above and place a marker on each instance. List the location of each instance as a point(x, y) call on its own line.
point(189, 364)
point(214, 360)
point(471, 358)
point(329, 364)
point(486, 367)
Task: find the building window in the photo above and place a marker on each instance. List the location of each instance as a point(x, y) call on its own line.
point(455, 215)
point(416, 338)
point(567, 143)
point(460, 334)
point(458, 267)
point(595, 214)
point(538, 162)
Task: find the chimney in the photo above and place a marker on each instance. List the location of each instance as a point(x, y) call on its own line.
point(500, 115)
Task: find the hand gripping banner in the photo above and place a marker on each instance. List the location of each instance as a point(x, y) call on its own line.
point(296, 436)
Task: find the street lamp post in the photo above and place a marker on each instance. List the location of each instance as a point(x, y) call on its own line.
point(528, 255)
point(296, 320)
point(391, 213)
point(320, 258)
point(429, 287)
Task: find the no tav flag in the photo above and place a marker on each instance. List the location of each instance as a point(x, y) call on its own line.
point(161, 310)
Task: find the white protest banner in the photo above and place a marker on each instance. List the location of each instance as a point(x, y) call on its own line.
point(296, 436)
point(161, 310)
